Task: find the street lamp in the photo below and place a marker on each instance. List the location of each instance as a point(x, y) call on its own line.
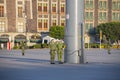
point(25, 20)
point(100, 38)
point(26, 27)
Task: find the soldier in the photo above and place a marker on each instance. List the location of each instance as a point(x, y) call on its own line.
point(52, 51)
point(108, 43)
point(60, 46)
point(22, 47)
point(109, 47)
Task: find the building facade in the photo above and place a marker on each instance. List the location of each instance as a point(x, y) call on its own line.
point(99, 11)
point(22, 20)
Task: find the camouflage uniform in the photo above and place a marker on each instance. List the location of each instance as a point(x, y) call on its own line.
point(52, 51)
point(109, 47)
point(23, 47)
point(60, 47)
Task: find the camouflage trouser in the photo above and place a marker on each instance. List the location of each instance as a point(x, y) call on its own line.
point(60, 54)
point(109, 50)
point(52, 55)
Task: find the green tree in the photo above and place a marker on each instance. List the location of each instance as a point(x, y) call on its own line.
point(111, 30)
point(57, 32)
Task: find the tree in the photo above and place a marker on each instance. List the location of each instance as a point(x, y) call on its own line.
point(111, 30)
point(57, 32)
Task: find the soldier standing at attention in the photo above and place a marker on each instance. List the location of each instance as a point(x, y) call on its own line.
point(60, 46)
point(52, 46)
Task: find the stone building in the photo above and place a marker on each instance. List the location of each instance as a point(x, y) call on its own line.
point(24, 20)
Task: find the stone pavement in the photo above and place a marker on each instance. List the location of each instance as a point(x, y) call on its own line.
point(35, 66)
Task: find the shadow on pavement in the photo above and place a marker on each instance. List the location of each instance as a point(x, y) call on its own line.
point(26, 60)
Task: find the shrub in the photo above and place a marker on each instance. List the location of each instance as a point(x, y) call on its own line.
point(16, 47)
point(36, 46)
point(44, 45)
point(95, 45)
point(31, 47)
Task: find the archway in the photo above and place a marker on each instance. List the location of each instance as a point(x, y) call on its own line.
point(3, 41)
point(19, 38)
point(35, 39)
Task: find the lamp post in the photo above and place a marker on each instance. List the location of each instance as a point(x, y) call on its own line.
point(100, 38)
point(26, 28)
point(25, 21)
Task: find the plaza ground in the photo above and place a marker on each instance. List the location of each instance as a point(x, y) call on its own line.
point(35, 66)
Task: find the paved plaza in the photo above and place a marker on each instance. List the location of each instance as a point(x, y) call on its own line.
point(35, 66)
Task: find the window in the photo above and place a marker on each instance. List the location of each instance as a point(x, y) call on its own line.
point(62, 22)
point(2, 26)
point(53, 8)
point(1, 11)
point(113, 5)
point(45, 7)
point(62, 8)
point(39, 23)
point(115, 16)
point(20, 9)
point(54, 22)
point(39, 7)
point(89, 27)
point(45, 24)
point(20, 27)
point(89, 15)
point(89, 4)
point(116, 5)
point(86, 27)
point(20, 12)
point(105, 5)
point(102, 4)
point(102, 15)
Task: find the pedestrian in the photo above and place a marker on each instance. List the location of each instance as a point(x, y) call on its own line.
point(60, 46)
point(52, 46)
point(22, 47)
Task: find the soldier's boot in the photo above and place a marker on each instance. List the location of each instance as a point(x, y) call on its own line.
point(52, 59)
point(52, 62)
point(60, 62)
point(109, 52)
